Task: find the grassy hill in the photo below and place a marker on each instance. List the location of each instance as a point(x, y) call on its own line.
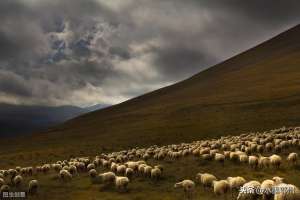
point(256, 90)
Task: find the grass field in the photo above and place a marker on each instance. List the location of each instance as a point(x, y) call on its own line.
point(144, 188)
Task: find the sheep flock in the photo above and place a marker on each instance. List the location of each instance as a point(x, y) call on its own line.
point(274, 151)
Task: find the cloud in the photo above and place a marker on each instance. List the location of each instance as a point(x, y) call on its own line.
point(83, 52)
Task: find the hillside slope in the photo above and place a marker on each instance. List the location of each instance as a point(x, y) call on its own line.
point(256, 90)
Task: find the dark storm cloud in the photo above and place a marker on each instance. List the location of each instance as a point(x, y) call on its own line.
point(97, 51)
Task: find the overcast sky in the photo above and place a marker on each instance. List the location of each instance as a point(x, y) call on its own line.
point(83, 52)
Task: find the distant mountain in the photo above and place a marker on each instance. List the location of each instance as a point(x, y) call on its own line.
point(96, 107)
point(20, 119)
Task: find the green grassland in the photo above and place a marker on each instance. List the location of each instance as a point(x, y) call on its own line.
point(144, 188)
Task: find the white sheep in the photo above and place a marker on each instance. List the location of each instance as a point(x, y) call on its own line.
point(33, 186)
point(266, 189)
point(92, 173)
point(129, 172)
point(264, 162)
point(292, 158)
point(275, 160)
point(90, 166)
point(220, 158)
point(121, 169)
point(156, 173)
point(4, 188)
point(221, 187)
point(253, 161)
point(286, 192)
point(121, 183)
point(188, 187)
point(236, 182)
point(205, 179)
point(107, 177)
point(18, 180)
point(65, 175)
point(250, 191)
point(2, 182)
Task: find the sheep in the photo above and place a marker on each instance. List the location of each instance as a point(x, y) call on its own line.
point(147, 171)
point(266, 189)
point(159, 167)
point(235, 183)
point(252, 191)
point(264, 162)
point(18, 180)
point(2, 182)
point(188, 188)
point(234, 156)
point(221, 187)
point(253, 161)
point(65, 175)
point(4, 188)
point(243, 158)
point(57, 167)
point(292, 158)
point(129, 172)
point(286, 192)
point(156, 173)
point(206, 156)
point(33, 186)
point(90, 166)
point(92, 173)
point(121, 183)
point(107, 177)
point(220, 158)
point(121, 169)
point(275, 160)
point(205, 179)
point(73, 170)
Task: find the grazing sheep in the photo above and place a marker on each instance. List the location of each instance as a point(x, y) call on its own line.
point(266, 189)
point(286, 192)
point(264, 162)
point(147, 171)
point(253, 161)
point(129, 172)
point(188, 188)
point(156, 173)
point(33, 186)
point(220, 158)
point(18, 180)
point(73, 170)
point(121, 169)
point(221, 187)
point(133, 165)
point(65, 175)
point(243, 158)
point(2, 182)
point(205, 179)
point(92, 173)
point(90, 166)
point(107, 178)
point(159, 167)
point(292, 158)
point(57, 167)
point(121, 183)
point(234, 156)
point(4, 188)
point(253, 191)
point(275, 160)
point(235, 183)
point(206, 156)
